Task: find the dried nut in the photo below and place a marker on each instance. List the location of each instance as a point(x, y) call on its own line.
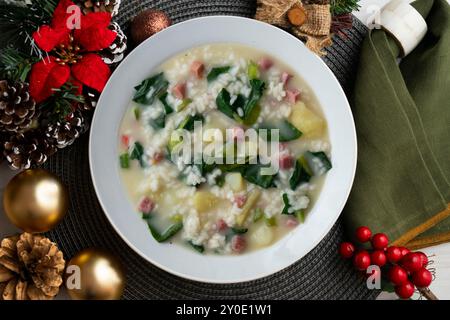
point(297, 16)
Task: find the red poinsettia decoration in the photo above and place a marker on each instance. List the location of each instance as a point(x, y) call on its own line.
point(72, 51)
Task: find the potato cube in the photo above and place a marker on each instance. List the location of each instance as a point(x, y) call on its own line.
point(306, 120)
point(262, 236)
point(234, 181)
point(204, 201)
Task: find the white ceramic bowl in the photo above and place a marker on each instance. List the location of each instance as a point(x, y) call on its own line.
point(139, 65)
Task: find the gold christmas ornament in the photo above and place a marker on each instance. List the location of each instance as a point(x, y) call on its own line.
point(147, 23)
point(94, 274)
point(31, 268)
point(35, 200)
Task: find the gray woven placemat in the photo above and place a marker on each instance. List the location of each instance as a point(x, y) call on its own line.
point(321, 274)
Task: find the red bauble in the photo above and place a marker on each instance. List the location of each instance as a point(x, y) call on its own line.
point(398, 275)
point(378, 257)
point(361, 260)
point(394, 254)
point(422, 278)
point(380, 241)
point(346, 250)
point(424, 258)
point(405, 291)
point(411, 262)
point(404, 250)
point(363, 234)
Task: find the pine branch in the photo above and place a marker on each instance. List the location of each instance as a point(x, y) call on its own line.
point(339, 7)
point(18, 21)
point(15, 65)
point(62, 102)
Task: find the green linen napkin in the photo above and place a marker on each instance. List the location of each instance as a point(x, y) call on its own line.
point(402, 116)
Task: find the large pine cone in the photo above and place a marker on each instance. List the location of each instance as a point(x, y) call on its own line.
point(64, 132)
point(31, 267)
point(22, 150)
point(17, 107)
point(87, 6)
point(116, 51)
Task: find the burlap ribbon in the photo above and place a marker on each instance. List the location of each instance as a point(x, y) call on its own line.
point(316, 29)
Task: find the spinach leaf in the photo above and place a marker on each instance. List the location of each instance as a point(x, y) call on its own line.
point(257, 89)
point(299, 214)
point(286, 204)
point(216, 72)
point(298, 176)
point(167, 234)
point(238, 230)
point(167, 107)
point(223, 103)
point(150, 89)
point(137, 153)
point(252, 174)
point(124, 161)
point(196, 247)
point(189, 122)
point(288, 131)
point(137, 113)
point(159, 122)
point(318, 162)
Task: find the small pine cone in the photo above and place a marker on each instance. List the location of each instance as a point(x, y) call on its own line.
point(31, 267)
point(65, 132)
point(29, 148)
point(88, 6)
point(91, 97)
point(17, 107)
point(116, 51)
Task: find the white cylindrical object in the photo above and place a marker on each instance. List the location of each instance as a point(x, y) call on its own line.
point(404, 23)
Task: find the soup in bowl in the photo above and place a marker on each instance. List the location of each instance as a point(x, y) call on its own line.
point(198, 136)
point(222, 156)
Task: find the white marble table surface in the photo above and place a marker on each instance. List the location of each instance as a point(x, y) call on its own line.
point(440, 253)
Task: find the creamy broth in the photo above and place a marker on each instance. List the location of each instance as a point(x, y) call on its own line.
point(208, 207)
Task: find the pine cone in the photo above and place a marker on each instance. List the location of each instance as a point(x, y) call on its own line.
point(64, 132)
point(17, 107)
point(116, 51)
point(31, 267)
point(91, 97)
point(29, 148)
point(88, 6)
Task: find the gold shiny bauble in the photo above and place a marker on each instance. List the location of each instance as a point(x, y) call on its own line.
point(35, 200)
point(147, 23)
point(101, 276)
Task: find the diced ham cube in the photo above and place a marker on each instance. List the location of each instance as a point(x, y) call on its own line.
point(285, 77)
point(237, 134)
point(146, 205)
point(240, 200)
point(283, 146)
point(286, 161)
point(291, 222)
point(265, 63)
point(179, 91)
point(197, 69)
point(157, 157)
point(292, 95)
point(125, 140)
point(221, 225)
point(238, 243)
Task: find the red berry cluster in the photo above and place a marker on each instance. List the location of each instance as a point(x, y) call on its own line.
point(405, 269)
